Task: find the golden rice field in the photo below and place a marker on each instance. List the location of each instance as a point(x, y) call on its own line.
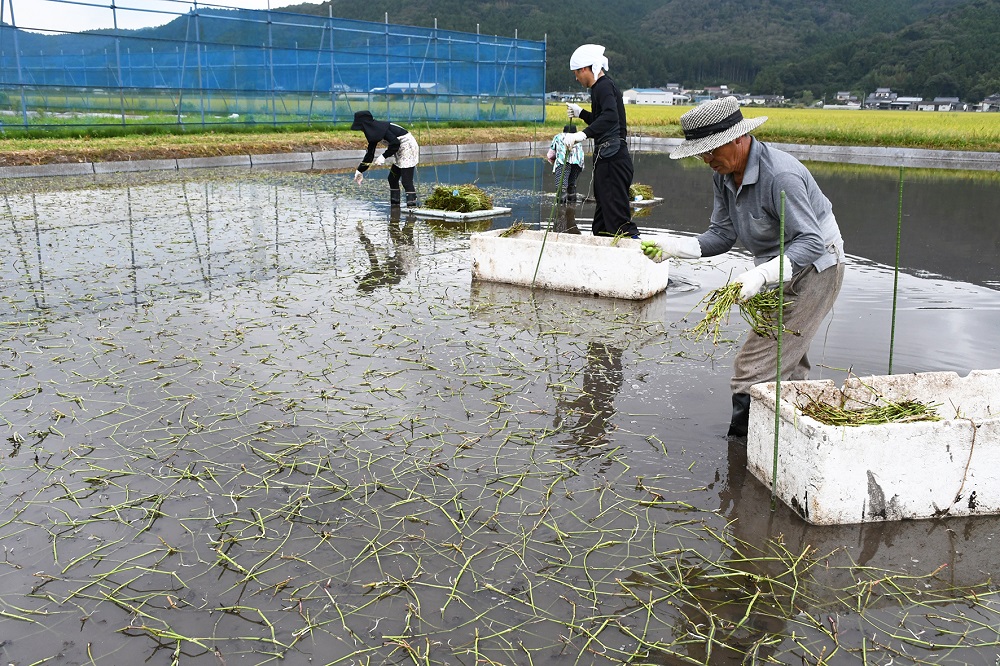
point(907, 129)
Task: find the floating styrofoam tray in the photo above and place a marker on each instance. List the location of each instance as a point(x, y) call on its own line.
point(596, 265)
point(453, 215)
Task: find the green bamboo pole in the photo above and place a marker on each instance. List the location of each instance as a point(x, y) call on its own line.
point(895, 275)
point(552, 212)
point(781, 330)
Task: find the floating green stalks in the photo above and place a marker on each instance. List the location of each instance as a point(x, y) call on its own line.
point(760, 312)
point(513, 229)
point(460, 199)
point(906, 411)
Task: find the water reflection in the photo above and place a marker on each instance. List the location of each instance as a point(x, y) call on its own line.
point(397, 258)
point(958, 547)
point(589, 415)
point(566, 220)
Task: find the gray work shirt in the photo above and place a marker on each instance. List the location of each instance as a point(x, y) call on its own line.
point(751, 212)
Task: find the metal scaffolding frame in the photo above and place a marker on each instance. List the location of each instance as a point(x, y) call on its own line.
point(222, 65)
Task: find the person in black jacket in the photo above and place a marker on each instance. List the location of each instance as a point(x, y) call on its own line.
point(402, 146)
point(607, 126)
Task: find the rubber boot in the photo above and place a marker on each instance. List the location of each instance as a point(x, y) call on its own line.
point(411, 199)
point(741, 415)
point(393, 198)
point(571, 194)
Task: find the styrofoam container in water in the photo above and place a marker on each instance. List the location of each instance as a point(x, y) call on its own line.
point(895, 471)
point(596, 265)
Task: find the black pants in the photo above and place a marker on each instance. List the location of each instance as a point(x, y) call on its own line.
point(612, 178)
point(395, 173)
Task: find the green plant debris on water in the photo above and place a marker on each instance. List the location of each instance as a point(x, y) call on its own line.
point(461, 199)
point(759, 311)
point(902, 411)
point(242, 428)
point(638, 191)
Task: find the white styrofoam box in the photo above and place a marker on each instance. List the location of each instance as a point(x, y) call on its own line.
point(835, 475)
point(597, 265)
point(455, 215)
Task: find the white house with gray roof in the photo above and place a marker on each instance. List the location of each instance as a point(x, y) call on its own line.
point(657, 96)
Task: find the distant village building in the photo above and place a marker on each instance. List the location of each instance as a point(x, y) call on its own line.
point(568, 96)
point(882, 98)
point(885, 99)
point(991, 104)
point(847, 106)
point(941, 104)
point(714, 92)
point(902, 103)
point(762, 100)
point(656, 96)
point(410, 88)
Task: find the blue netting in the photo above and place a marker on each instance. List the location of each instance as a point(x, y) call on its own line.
point(218, 65)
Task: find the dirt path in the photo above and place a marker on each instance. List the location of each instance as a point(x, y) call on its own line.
point(23, 152)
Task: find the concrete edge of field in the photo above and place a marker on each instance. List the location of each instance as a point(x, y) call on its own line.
point(345, 159)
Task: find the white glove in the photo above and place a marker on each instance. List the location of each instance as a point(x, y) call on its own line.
point(572, 139)
point(358, 177)
point(755, 278)
point(380, 160)
point(573, 110)
point(682, 247)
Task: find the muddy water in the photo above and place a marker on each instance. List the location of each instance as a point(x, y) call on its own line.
point(254, 414)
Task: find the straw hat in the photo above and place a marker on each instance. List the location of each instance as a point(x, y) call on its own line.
point(713, 124)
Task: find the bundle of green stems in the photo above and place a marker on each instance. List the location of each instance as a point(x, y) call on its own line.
point(906, 411)
point(759, 311)
point(513, 229)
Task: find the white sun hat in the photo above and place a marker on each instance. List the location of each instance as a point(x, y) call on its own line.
point(588, 55)
point(713, 124)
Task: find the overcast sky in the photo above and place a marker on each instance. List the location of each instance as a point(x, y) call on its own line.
point(78, 15)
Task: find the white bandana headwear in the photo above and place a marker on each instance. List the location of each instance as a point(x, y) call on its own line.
point(589, 55)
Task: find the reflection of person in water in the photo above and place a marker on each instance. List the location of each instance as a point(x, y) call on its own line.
point(565, 222)
point(396, 265)
point(602, 379)
point(745, 503)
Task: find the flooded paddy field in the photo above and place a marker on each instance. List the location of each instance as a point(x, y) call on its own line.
point(256, 417)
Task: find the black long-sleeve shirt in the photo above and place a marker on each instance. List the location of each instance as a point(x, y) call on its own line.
point(381, 131)
point(606, 119)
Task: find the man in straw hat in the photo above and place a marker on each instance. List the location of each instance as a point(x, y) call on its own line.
point(606, 125)
point(749, 179)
